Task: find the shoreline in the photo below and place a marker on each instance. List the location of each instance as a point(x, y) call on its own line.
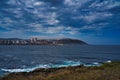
point(64, 64)
point(46, 74)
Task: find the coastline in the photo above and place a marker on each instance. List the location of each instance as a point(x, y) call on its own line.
point(107, 71)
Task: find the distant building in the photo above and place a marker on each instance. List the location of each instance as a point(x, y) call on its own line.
point(8, 41)
point(33, 40)
point(13, 41)
point(17, 41)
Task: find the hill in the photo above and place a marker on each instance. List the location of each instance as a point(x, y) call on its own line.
point(35, 41)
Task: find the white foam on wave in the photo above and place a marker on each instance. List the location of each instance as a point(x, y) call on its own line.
point(64, 64)
point(67, 63)
point(25, 69)
point(109, 61)
point(92, 64)
point(17, 70)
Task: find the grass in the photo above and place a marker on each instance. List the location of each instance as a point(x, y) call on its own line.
point(108, 71)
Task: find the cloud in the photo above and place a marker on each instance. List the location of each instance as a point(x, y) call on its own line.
point(61, 17)
point(94, 16)
point(50, 37)
point(13, 34)
point(51, 19)
point(53, 30)
point(75, 2)
point(38, 3)
point(105, 4)
point(95, 27)
point(11, 2)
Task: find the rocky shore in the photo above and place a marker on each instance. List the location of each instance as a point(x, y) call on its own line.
point(108, 71)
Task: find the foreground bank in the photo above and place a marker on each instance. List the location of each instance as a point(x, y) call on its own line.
point(108, 71)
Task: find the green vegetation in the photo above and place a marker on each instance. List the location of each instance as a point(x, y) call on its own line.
point(108, 71)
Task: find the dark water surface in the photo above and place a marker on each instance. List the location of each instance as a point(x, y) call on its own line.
point(18, 58)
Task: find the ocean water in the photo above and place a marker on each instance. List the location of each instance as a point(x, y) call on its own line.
point(18, 58)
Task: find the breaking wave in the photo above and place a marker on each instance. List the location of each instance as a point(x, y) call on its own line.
point(64, 64)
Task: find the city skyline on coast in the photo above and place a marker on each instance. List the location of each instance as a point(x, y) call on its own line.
point(93, 21)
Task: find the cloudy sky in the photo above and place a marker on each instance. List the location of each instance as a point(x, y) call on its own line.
point(94, 21)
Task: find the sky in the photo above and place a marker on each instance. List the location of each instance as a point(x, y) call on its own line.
point(93, 21)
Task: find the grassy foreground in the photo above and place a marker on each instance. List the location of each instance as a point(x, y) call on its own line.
point(108, 71)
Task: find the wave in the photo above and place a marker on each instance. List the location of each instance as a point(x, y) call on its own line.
point(50, 65)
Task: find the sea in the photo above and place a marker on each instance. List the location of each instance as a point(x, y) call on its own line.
point(26, 58)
